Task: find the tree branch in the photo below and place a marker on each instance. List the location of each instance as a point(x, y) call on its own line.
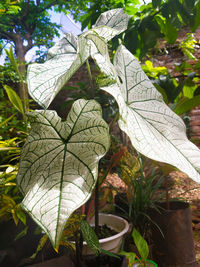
point(7, 35)
point(25, 11)
point(30, 42)
point(49, 5)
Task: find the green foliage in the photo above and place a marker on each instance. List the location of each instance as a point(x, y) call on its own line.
point(143, 250)
point(8, 76)
point(14, 62)
point(188, 46)
point(12, 125)
point(15, 99)
point(141, 245)
point(142, 190)
point(90, 237)
point(149, 22)
point(92, 240)
point(27, 24)
point(10, 197)
point(83, 90)
point(9, 7)
point(153, 72)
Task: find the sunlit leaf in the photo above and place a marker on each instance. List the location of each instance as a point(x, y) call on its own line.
point(115, 19)
point(154, 129)
point(64, 59)
point(45, 80)
point(59, 164)
point(14, 99)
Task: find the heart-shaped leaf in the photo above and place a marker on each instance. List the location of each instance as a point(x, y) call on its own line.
point(59, 164)
point(65, 58)
point(154, 129)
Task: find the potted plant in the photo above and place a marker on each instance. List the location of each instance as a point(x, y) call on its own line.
point(142, 190)
point(59, 161)
point(140, 260)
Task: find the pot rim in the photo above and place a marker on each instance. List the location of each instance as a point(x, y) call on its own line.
point(124, 231)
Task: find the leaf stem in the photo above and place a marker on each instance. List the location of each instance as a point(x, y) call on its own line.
point(90, 79)
point(96, 203)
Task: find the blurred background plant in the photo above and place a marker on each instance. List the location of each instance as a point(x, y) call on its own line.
point(143, 182)
point(13, 131)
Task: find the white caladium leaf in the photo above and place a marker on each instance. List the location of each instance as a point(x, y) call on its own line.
point(154, 129)
point(65, 58)
point(46, 79)
point(115, 19)
point(59, 164)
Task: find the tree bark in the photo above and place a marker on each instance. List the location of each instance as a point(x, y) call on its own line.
point(20, 54)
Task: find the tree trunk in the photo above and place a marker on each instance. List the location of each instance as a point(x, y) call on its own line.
point(20, 54)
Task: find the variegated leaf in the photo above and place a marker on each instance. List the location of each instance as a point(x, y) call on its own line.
point(115, 19)
point(59, 164)
point(65, 58)
point(154, 129)
point(46, 79)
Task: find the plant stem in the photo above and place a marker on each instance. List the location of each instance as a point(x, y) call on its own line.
point(96, 201)
point(167, 192)
point(78, 242)
point(90, 79)
point(96, 207)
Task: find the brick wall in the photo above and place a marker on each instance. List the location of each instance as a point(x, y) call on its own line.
point(195, 125)
point(80, 76)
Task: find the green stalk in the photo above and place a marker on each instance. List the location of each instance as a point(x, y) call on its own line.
point(90, 79)
point(96, 201)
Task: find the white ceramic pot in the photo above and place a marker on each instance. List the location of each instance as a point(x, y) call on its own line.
point(112, 243)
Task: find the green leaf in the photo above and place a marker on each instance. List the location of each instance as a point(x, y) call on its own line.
point(197, 17)
point(21, 215)
point(7, 120)
point(153, 128)
point(13, 61)
point(171, 32)
point(14, 99)
point(130, 257)
point(59, 164)
point(141, 244)
point(187, 105)
point(156, 3)
point(40, 246)
point(22, 233)
point(106, 252)
point(162, 91)
point(92, 240)
point(90, 237)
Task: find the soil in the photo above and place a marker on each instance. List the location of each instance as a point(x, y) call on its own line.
point(104, 231)
point(181, 187)
point(104, 261)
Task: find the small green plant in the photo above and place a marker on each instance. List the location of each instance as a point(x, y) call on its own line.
point(143, 250)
